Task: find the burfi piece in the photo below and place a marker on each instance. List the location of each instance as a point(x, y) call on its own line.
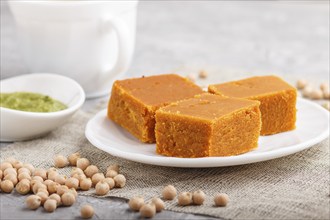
point(277, 98)
point(208, 125)
point(134, 101)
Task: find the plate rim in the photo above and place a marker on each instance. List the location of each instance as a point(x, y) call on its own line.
point(207, 161)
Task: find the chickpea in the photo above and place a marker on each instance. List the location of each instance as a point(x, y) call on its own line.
point(50, 205)
point(159, 204)
point(57, 198)
point(74, 192)
point(198, 197)
point(87, 211)
point(60, 161)
point(9, 170)
point(79, 176)
point(43, 190)
point(301, 84)
point(72, 183)
point(83, 163)
point(68, 199)
point(33, 202)
point(136, 203)
point(120, 181)
point(91, 170)
point(114, 167)
point(97, 177)
point(62, 189)
point(52, 175)
point(23, 187)
point(37, 186)
point(110, 182)
point(52, 187)
point(316, 94)
point(326, 94)
point(47, 182)
point(101, 188)
point(51, 170)
point(37, 178)
point(12, 177)
point(10, 160)
point(7, 186)
point(148, 210)
point(184, 199)
point(324, 86)
point(24, 170)
point(29, 167)
point(60, 179)
point(22, 176)
point(307, 91)
point(85, 184)
point(111, 173)
point(221, 199)
point(17, 164)
point(76, 170)
point(73, 158)
point(41, 172)
point(5, 165)
point(169, 192)
point(203, 74)
point(43, 196)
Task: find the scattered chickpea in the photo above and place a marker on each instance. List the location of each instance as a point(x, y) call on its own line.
point(203, 74)
point(37, 186)
point(85, 184)
point(102, 188)
point(316, 94)
point(301, 84)
point(24, 170)
point(41, 172)
point(52, 175)
point(114, 167)
point(43, 190)
point(43, 197)
point(83, 163)
point(60, 179)
point(10, 160)
point(5, 165)
point(148, 210)
point(91, 170)
point(76, 170)
point(72, 183)
point(97, 177)
point(326, 94)
point(169, 192)
point(7, 186)
point(87, 211)
point(74, 192)
point(57, 198)
point(79, 176)
point(109, 181)
point(62, 189)
point(136, 203)
point(52, 169)
point(307, 91)
point(33, 202)
point(52, 187)
point(23, 187)
point(60, 161)
point(324, 86)
point(68, 199)
point(17, 164)
point(50, 205)
point(29, 167)
point(111, 173)
point(221, 199)
point(198, 197)
point(120, 181)
point(37, 178)
point(159, 204)
point(22, 176)
point(47, 182)
point(185, 198)
point(10, 170)
point(12, 177)
point(73, 158)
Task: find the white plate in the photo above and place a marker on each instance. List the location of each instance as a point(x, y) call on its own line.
point(312, 128)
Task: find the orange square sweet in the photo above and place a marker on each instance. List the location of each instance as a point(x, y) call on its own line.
point(277, 98)
point(134, 101)
point(208, 125)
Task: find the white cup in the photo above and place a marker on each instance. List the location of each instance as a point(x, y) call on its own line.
point(89, 41)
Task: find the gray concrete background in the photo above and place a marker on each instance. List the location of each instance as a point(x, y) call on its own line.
point(227, 39)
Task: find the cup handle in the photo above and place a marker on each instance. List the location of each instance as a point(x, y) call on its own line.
point(122, 32)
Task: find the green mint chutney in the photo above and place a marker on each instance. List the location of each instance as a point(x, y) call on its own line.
point(30, 102)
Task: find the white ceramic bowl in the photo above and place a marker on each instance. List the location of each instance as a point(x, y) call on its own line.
point(21, 125)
